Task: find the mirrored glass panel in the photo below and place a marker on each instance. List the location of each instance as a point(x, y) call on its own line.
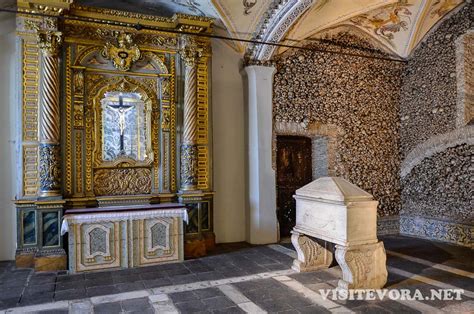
point(123, 126)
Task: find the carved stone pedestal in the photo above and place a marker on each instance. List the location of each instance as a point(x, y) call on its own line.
point(313, 254)
point(363, 266)
point(333, 210)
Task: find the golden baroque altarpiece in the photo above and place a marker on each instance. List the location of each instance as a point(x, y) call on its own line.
point(111, 115)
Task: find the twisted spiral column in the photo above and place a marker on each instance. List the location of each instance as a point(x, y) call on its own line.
point(190, 106)
point(49, 148)
point(188, 146)
point(49, 123)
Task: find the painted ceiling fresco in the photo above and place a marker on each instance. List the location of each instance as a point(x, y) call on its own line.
point(397, 25)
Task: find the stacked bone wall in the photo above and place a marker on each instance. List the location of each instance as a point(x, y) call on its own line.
point(437, 173)
point(358, 97)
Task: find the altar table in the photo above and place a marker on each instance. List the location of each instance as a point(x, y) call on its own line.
point(115, 237)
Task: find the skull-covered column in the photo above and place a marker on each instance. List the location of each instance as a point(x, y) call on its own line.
point(189, 53)
point(49, 127)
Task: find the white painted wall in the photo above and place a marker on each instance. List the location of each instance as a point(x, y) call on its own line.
point(229, 144)
point(8, 103)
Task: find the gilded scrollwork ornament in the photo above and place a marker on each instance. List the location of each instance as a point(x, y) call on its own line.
point(167, 42)
point(78, 82)
point(188, 167)
point(50, 42)
point(165, 121)
point(123, 54)
point(190, 51)
point(49, 169)
point(122, 181)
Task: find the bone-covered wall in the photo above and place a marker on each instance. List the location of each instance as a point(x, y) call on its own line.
point(428, 103)
point(436, 141)
point(359, 97)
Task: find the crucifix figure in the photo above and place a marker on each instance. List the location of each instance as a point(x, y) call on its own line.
point(121, 109)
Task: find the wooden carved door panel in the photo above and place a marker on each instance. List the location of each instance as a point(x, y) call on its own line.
point(293, 171)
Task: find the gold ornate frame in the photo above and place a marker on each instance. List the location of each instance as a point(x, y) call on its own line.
point(121, 84)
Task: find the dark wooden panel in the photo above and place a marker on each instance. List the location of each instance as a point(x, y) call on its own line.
point(293, 171)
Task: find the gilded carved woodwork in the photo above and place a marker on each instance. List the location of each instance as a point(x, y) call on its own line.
point(122, 181)
point(129, 85)
point(51, 7)
point(173, 125)
point(188, 167)
point(50, 124)
point(49, 169)
point(78, 162)
point(190, 51)
point(68, 141)
point(124, 54)
point(49, 43)
point(30, 170)
point(190, 106)
point(202, 124)
point(91, 56)
point(30, 98)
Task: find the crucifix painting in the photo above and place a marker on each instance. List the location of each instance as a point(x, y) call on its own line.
point(123, 130)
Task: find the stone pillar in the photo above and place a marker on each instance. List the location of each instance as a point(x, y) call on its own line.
point(189, 53)
point(49, 148)
point(262, 219)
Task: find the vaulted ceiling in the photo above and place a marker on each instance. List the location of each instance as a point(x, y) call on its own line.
point(395, 25)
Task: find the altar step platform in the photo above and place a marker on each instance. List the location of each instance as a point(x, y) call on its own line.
point(116, 237)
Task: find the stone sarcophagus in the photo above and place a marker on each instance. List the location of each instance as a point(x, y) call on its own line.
point(332, 211)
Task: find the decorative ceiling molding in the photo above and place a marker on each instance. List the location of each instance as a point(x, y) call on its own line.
point(275, 24)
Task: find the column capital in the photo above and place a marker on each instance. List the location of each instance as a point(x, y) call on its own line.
point(49, 42)
point(190, 50)
point(259, 69)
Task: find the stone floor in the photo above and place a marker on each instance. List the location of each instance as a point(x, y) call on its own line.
point(244, 279)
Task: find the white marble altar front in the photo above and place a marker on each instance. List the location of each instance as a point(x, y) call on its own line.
point(334, 211)
point(124, 237)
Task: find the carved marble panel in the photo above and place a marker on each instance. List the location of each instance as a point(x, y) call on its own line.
point(157, 240)
point(95, 246)
point(98, 240)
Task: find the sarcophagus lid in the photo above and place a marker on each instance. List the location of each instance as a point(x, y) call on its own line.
point(335, 210)
point(334, 189)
